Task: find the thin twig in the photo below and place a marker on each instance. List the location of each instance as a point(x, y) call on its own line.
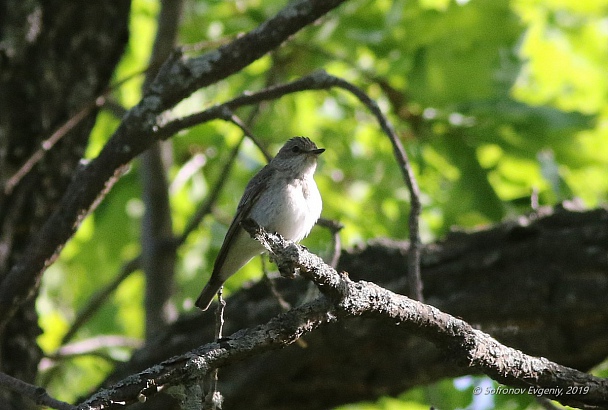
point(97, 300)
point(93, 344)
point(345, 298)
point(285, 305)
point(322, 80)
point(414, 278)
point(221, 307)
point(207, 205)
point(213, 399)
point(94, 347)
point(239, 123)
point(334, 227)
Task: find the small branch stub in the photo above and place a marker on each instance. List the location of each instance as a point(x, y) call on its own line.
point(292, 259)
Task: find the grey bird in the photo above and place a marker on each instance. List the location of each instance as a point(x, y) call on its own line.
point(283, 198)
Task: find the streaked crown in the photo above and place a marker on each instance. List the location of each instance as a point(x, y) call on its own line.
point(298, 146)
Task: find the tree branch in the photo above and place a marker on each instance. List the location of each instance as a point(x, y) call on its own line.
point(177, 78)
point(317, 81)
point(239, 123)
point(49, 143)
point(344, 299)
point(193, 366)
point(537, 284)
point(415, 280)
point(97, 300)
point(466, 345)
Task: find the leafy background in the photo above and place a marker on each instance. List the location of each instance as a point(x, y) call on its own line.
point(494, 100)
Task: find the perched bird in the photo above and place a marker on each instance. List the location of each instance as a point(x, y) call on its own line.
point(282, 197)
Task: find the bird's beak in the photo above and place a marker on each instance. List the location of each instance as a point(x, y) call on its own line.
point(317, 151)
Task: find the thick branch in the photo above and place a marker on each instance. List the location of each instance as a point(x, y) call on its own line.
point(193, 366)
point(100, 297)
point(178, 78)
point(346, 299)
point(465, 345)
point(537, 284)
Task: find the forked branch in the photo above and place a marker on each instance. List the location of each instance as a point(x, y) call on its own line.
point(344, 298)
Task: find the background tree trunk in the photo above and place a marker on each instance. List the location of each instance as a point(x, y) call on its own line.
point(158, 259)
point(55, 58)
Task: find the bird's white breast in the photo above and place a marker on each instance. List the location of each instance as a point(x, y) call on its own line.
point(292, 210)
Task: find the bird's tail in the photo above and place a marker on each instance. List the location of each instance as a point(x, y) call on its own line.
point(207, 294)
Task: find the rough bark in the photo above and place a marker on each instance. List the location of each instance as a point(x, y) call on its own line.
point(538, 284)
point(55, 58)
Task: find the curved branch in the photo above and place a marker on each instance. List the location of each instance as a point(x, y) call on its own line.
point(320, 80)
point(405, 166)
point(343, 299)
point(543, 278)
point(466, 345)
point(177, 78)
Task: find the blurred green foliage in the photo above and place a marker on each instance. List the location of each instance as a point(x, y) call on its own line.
point(494, 99)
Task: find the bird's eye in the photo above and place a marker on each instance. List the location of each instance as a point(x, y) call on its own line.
point(295, 149)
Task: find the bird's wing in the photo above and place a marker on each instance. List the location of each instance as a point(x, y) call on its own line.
point(250, 197)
